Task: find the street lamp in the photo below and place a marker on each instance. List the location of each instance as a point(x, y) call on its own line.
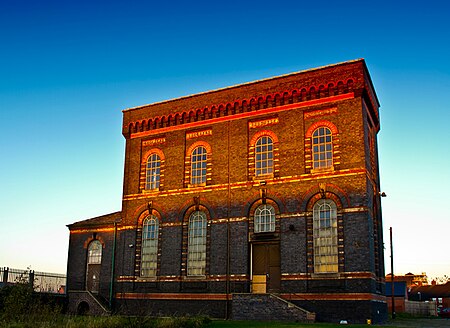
point(392, 276)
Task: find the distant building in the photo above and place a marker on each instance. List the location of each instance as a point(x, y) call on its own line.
point(400, 295)
point(410, 279)
point(266, 192)
point(440, 294)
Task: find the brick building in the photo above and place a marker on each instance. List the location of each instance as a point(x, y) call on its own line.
point(269, 187)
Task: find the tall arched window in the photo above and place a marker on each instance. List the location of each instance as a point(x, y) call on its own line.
point(149, 250)
point(196, 259)
point(322, 149)
point(153, 172)
point(325, 236)
point(198, 166)
point(264, 156)
point(94, 260)
point(264, 219)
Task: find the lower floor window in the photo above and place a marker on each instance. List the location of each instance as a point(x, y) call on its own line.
point(325, 236)
point(196, 259)
point(149, 254)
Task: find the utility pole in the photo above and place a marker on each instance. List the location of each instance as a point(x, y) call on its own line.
point(392, 276)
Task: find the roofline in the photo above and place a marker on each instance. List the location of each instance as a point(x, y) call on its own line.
point(86, 222)
point(371, 83)
point(254, 82)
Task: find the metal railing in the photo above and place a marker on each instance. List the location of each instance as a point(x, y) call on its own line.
point(42, 282)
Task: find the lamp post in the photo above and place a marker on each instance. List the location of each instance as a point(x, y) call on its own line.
point(392, 276)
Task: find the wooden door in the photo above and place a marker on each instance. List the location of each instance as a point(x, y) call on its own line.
point(93, 277)
point(266, 270)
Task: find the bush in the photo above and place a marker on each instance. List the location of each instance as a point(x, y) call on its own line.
point(19, 303)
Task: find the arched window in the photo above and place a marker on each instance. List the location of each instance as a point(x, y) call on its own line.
point(94, 264)
point(196, 259)
point(322, 148)
point(153, 172)
point(149, 250)
point(95, 252)
point(325, 236)
point(198, 166)
point(264, 218)
point(264, 156)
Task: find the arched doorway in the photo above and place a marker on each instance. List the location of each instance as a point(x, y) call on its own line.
point(93, 269)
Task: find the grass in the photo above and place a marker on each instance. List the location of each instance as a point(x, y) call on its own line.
point(58, 321)
point(182, 322)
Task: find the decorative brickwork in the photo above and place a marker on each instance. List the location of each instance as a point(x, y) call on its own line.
point(225, 157)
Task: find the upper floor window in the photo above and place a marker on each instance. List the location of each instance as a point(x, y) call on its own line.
point(149, 250)
point(264, 156)
point(325, 236)
point(153, 172)
point(264, 218)
point(196, 258)
point(198, 165)
point(322, 148)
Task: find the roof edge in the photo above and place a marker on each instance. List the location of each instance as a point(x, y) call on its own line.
point(98, 220)
point(253, 82)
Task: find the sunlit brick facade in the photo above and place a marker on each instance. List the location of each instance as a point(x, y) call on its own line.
point(266, 187)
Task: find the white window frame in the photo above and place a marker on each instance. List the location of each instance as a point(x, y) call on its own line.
point(196, 257)
point(199, 158)
point(153, 172)
point(149, 246)
point(264, 156)
point(322, 148)
point(325, 237)
point(95, 252)
point(264, 219)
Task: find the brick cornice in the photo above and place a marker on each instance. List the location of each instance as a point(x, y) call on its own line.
point(269, 103)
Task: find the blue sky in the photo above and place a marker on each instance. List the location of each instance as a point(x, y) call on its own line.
point(68, 69)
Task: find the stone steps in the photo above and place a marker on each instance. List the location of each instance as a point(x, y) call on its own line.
point(267, 307)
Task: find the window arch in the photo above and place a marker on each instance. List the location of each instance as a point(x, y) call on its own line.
point(264, 218)
point(198, 165)
point(196, 257)
point(149, 248)
point(153, 172)
point(264, 156)
point(325, 235)
point(322, 148)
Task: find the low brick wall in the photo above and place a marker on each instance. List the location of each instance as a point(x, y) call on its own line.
point(421, 308)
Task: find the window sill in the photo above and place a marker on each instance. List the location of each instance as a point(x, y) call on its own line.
point(323, 170)
point(199, 185)
point(325, 275)
point(201, 277)
point(150, 191)
point(263, 177)
point(147, 279)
